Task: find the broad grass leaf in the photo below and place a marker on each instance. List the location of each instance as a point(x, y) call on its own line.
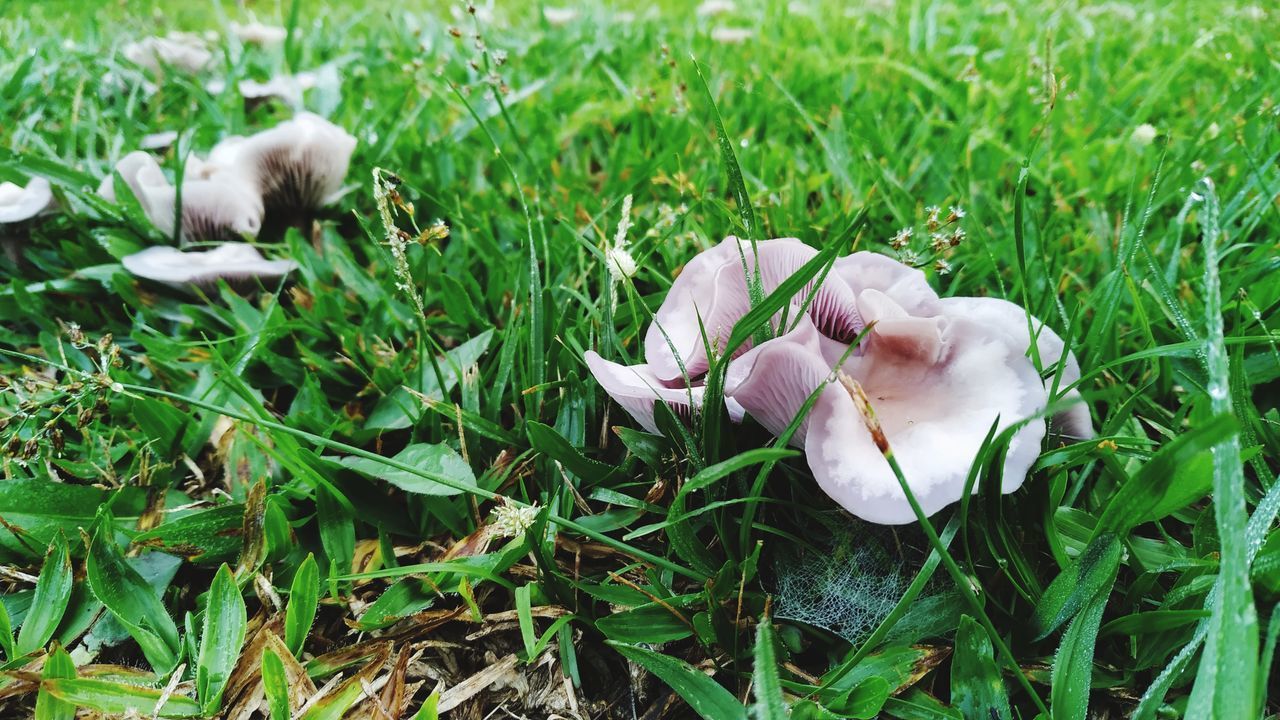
point(704, 695)
point(335, 517)
point(53, 590)
point(275, 685)
point(406, 597)
point(766, 685)
point(1151, 622)
point(130, 599)
point(304, 599)
point(6, 635)
point(58, 665)
point(428, 709)
point(1085, 577)
point(919, 705)
point(221, 638)
point(436, 458)
point(44, 509)
point(865, 700)
point(116, 699)
point(977, 689)
point(650, 449)
point(206, 537)
point(547, 441)
point(651, 623)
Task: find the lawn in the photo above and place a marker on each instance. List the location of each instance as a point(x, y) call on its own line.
point(387, 484)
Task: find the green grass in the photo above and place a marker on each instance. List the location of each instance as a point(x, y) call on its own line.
point(338, 524)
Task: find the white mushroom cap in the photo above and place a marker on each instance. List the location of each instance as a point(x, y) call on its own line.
point(19, 203)
point(907, 286)
point(1072, 422)
point(711, 8)
point(217, 203)
point(233, 262)
point(257, 33)
point(299, 164)
point(182, 51)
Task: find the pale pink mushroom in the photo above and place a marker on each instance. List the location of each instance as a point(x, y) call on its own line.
point(937, 386)
point(938, 374)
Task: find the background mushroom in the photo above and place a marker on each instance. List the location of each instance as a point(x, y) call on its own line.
point(298, 165)
point(239, 264)
point(217, 203)
point(18, 205)
point(181, 51)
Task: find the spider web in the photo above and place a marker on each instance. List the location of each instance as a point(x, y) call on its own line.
point(846, 585)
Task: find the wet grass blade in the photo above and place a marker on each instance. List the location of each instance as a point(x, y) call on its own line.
point(767, 687)
point(1227, 677)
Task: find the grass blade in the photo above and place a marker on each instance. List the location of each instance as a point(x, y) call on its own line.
point(976, 687)
point(1072, 675)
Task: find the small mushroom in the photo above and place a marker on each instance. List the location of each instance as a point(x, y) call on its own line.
point(162, 140)
point(180, 51)
point(559, 16)
point(260, 34)
point(288, 89)
point(239, 264)
point(217, 203)
point(731, 35)
point(298, 165)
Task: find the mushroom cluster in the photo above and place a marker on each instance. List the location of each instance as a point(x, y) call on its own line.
point(937, 372)
point(282, 174)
